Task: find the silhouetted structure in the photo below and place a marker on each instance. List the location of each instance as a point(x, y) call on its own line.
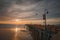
point(38, 31)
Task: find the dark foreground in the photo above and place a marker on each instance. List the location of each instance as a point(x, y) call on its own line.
point(28, 32)
point(9, 34)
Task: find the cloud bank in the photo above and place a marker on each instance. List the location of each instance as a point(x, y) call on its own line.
point(29, 9)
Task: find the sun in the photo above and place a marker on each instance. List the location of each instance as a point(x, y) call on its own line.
point(17, 20)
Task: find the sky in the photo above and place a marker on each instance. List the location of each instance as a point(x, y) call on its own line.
point(30, 10)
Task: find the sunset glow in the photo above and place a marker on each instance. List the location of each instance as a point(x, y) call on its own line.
point(17, 21)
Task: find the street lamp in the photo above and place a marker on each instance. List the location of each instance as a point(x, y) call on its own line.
point(45, 23)
point(44, 18)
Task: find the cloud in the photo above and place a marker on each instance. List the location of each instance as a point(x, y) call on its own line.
point(26, 2)
point(53, 7)
point(24, 10)
point(29, 9)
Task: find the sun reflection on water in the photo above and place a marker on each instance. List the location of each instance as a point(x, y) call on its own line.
point(16, 33)
point(16, 29)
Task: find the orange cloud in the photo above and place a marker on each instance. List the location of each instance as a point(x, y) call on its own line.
point(49, 21)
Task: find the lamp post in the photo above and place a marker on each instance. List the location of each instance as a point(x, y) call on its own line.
point(45, 23)
point(45, 18)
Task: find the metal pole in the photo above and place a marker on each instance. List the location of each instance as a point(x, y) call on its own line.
point(45, 22)
point(46, 34)
point(45, 27)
